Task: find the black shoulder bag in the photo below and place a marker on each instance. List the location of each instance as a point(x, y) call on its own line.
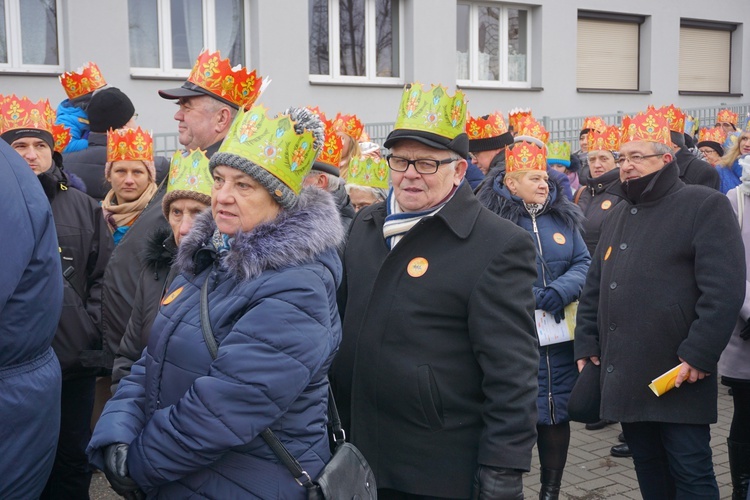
point(346, 475)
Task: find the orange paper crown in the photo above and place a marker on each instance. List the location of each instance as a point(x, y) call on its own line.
point(129, 144)
point(485, 127)
point(333, 145)
point(594, 123)
point(727, 116)
point(716, 134)
point(675, 118)
point(84, 81)
point(516, 115)
point(21, 113)
point(606, 140)
point(650, 126)
point(532, 128)
point(350, 125)
point(235, 85)
point(523, 156)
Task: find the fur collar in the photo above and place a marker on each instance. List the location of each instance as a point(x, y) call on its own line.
point(295, 237)
point(160, 248)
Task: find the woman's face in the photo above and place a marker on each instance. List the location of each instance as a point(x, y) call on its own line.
point(361, 198)
point(745, 143)
point(600, 162)
point(239, 202)
point(711, 155)
point(129, 179)
point(532, 187)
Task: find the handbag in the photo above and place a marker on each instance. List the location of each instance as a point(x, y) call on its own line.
point(346, 476)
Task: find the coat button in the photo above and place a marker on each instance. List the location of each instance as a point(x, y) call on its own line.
point(612, 327)
point(633, 210)
point(613, 285)
point(610, 369)
point(623, 246)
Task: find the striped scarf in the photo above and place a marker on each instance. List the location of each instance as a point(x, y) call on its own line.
point(398, 223)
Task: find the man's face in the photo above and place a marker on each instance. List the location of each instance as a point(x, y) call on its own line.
point(36, 152)
point(643, 166)
point(182, 214)
point(728, 127)
point(198, 121)
point(414, 191)
point(484, 159)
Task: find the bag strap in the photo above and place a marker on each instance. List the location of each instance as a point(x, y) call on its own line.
point(740, 204)
point(208, 334)
point(578, 194)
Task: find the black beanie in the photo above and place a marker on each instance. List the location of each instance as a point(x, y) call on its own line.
point(490, 143)
point(12, 136)
point(678, 138)
point(109, 108)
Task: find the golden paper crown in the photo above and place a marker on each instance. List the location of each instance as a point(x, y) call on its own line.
point(716, 134)
point(727, 116)
point(485, 127)
point(333, 145)
point(432, 111)
point(83, 81)
point(190, 173)
point(523, 156)
point(650, 126)
point(369, 172)
point(532, 128)
point(516, 116)
point(558, 151)
point(237, 85)
point(349, 125)
point(594, 123)
point(675, 118)
point(605, 140)
point(22, 113)
point(129, 144)
point(272, 144)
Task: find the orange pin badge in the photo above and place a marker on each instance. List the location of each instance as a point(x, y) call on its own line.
point(417, 267)
point(609, 251)
point(559, 238)
point(606, 204)
point(169, 298)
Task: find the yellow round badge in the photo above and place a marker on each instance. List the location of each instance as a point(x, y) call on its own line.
point(609, 251)
point(606, 204)
point(417, 267)
point(169, 298)
point(559, 238)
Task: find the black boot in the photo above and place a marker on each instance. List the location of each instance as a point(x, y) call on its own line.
point(551, 479)
point(739, 467)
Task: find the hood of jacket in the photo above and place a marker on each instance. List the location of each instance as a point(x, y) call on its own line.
point(293, 238)
point(160, 248)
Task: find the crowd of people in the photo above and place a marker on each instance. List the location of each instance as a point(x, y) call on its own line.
point(160, 315)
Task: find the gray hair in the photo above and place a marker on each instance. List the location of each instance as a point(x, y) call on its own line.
point(380, 194)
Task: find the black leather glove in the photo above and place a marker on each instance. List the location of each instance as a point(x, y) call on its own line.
point(745, 332)
point(495, 483)
point(116, 470)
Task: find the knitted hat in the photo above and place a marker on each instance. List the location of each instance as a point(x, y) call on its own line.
point(188, 178)
point(110, 108)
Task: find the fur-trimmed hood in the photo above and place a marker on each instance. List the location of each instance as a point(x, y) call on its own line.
point(160, 249)
point(297, 236)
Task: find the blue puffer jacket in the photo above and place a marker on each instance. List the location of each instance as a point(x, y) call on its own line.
point(730, 176)
point(77, 121)
point(567, 258)
point(193, 424)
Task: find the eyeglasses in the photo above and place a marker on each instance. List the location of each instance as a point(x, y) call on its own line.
point(635, 159)
point(135, 116)
point(423, 166)
point(708, 151)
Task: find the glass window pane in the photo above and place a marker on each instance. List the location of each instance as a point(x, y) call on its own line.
point(39, 31)
point(462, 41)
point(230, 30)
point(352, 36)
point(143, 30)
point(3, 36)
point(187, 32)
point(517, 45)
point(318, 26)
point(489, 57)
point(387, 48)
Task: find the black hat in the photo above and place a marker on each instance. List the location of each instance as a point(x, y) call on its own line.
point(459, 144)
point(11, 136)
point(713, 145)
point(189, 89)
point(490, 143)
point(109, 108)
point(586, 397)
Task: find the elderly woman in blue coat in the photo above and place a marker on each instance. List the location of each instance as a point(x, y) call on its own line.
point(184, 424)
point(525, 195)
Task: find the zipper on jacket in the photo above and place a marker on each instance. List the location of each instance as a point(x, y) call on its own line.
point(551, 403)
point(539, 244)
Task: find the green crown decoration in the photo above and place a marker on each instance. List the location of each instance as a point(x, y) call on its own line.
point(433, 111)
point(190, 173)
point(368, 172)
point(558, 151)
point(272, 144)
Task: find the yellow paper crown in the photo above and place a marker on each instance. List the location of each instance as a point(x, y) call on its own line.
point(190, 173)
point(272, 144)
point(558, 151)
point(605, 140)
point(236, 85)
point(433, 111)
point(22, 113)
point(650, 126)
point(727, 116)
point(485, 127)
point(369, 172)
point(532, 128)
point(516, 116)
point(83, 81)
point(129, 144)
point(524, 156)
point(716, 134)
point(349, 125)
point(594, 123)
point(674, 116)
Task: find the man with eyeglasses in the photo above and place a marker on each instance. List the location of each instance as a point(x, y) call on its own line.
point(436, 373)
point(664, 291)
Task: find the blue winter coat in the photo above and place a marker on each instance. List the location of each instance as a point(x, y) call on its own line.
point(193, 424)
point(730, 176)
point(568, 260)
point(31, 292)
point(77, 121)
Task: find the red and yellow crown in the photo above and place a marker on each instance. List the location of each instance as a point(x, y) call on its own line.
point(650, 126)
point(237, 85)
point(605, 140)
point(532, 128)
point(594, 123)
point(675, 118)
point(516, 116)
point(129, 144)
point(85, 80)
point(333, 144)
point(524, 156)
point(716, 134)
point(485, 127)
point(349, 125)
point(727, 116)
point(22, 113)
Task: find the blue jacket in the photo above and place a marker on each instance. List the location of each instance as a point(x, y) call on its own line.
point(193, 424)
point(567, 259)
point(730, 176)
point(77, 121)
point(31, 292)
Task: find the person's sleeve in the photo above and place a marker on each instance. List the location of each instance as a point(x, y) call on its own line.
point(99, 253)
point(570, 284)
point(586, 342)
point(131, 345)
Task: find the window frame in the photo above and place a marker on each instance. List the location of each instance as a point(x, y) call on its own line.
point(164, 30)
point(715, 26)
point(14, 44)
point(503, 83)
point(334, 49)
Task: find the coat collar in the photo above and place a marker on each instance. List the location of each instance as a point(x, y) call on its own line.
point(665, 182)
point(604, 181)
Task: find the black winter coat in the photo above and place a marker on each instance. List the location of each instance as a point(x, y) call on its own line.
point(666, 282)
point(440, 369)
point(596, 203)
point(693, 170)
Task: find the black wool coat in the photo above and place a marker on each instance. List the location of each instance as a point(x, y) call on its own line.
point(439, 369)
point(596, 202)
point(693, 170)
point(666, 282)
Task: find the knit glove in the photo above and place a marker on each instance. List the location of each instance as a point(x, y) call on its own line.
point(552, 302)
point(116, 470)
point(495, 483)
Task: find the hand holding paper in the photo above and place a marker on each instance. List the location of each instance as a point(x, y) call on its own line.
point(675, 377)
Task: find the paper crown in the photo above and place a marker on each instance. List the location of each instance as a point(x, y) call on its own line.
point(84, 80)
point(129, 144)
point(333, 145)
point(349, 125)
point(272, 144)
point(675, 118)
point(523, 156)
point(516, 115)
point(727, 116)
point(432, 111)
point(22, 113)
point(691, 125)
point(190, 173)
point(532, 128)
point(558, 152)
point(236, 85)
point(369, 172)
point(485, 127)
point(594, 123)
point(650, 126)
point(716, 134)
point(605, 140)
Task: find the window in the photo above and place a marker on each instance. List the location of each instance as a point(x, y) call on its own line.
point(166, 36)
point(493, 45)
point(608, 51)
point(355, 41)
point(29, 36)
point(705, 52)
